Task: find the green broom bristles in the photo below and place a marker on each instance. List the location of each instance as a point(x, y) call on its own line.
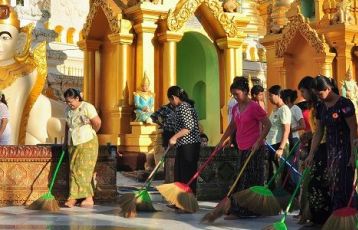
point(260, 199)
point(140, 200)
point(47, 202)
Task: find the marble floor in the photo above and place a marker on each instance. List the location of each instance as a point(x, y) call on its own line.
point(106, 217)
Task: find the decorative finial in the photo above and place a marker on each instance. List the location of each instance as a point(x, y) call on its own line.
point(145, 80)
point(8, 15)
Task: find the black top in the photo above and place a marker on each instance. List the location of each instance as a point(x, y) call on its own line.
point(187, 118)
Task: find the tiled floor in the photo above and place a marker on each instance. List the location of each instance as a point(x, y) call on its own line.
point(106, 217)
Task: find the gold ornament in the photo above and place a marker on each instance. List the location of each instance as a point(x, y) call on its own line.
point(145, 80)
point(8, 15)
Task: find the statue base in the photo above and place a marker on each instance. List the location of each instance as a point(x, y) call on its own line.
point(140, 149)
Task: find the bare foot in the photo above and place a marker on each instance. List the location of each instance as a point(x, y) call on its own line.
point(70, 203)
point(87, 203)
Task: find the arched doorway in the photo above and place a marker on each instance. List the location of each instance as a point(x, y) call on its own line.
point(198, 74)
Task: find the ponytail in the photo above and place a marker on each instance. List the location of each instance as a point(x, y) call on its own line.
point(180, 93)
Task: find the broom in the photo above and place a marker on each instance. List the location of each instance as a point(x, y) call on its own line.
point(140, 200)
point(224, 205)
point(281, 225)
point(344, 218)
point(47, 202)
point(280, 193)
point(260, 199)
point(180, 194)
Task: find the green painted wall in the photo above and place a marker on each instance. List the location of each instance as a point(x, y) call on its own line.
point(198, 74)
point(308, 8)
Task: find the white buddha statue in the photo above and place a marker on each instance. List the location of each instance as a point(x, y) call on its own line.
point(34, 118)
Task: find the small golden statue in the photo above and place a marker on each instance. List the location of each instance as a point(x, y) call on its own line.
point(144, 101)
point(350, 88)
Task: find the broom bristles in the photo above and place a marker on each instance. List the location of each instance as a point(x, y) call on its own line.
point(127, 202)
point(266, 205)
point(143, 201)
point(181, 196)
point(221, 209)
point(46, 202)
point(350, 221)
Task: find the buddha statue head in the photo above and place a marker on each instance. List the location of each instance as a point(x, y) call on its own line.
point(15, 42)
point(9, 33)
point(145, 83)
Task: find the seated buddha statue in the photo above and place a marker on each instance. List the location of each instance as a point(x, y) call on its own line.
point(144, 102)
point(34, 118)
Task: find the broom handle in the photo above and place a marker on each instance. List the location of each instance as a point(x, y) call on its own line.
point(56, 171)
point(202, 167)
point(149, 180)
point(281, 166)
point(240, 173)
point(285, 160)
point(355, 183)
point(352, 194)
point(293, 195)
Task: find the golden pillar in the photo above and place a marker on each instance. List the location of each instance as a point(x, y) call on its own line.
point(145, 24)
point(319, 9)
point(169, 62)
point(90, 47)
point(231, 66)
point(118, 86)
point(344, 61)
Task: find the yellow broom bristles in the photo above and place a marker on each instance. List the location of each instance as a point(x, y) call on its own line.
point(264, 205)
point(221, 209)
point(339, 222)
point(127, 202)
point(179, 197)
point(42, 204)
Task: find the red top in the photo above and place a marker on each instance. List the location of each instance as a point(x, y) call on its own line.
point(248, 124)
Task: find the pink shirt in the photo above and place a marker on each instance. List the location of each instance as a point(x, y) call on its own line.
point(248, 124)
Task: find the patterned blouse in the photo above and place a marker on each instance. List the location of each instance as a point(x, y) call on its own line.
point(165, 117)
point(187, 118)
point(80, 129)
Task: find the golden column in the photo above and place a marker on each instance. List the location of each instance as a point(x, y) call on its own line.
point(169, 62)
point(120, 88)
point(90, 48)
point(231, 66)
point(344, 61)
point(144, 17)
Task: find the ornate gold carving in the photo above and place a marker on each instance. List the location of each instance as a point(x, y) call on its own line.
point(113, 20)
point(298, 25)
point(39, 60)
point(186, 8)
point(8, 14)
point(25, 52)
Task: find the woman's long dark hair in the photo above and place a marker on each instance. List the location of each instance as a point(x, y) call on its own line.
point(307, 83)
point(180, 93)
point(73, 93)
point(3, 99)
point(322, 83)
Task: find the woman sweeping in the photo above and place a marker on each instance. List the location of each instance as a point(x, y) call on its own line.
point(186, 137)
point(280, 118)
point(336, 114)
point(248, 117)
point(314, 197)
point(83, 123)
